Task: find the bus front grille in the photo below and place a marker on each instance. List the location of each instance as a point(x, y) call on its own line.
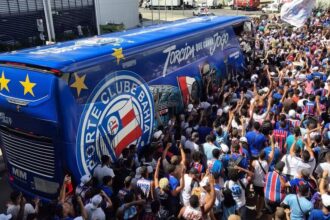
point(35, 155)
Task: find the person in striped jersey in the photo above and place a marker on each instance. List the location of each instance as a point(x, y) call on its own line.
point(274, 189)
point(280, 136)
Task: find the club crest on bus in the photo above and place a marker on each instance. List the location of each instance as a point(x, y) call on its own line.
point(119, 113)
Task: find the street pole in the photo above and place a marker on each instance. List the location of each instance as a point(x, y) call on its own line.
point(97, 16)
point(165, 10)
point(152, 12)
point(158, 12)
point(183, 9)
point(49, 20)
point(172, 9)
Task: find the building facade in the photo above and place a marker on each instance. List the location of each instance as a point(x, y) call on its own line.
point(26, 23)
point(124, 12)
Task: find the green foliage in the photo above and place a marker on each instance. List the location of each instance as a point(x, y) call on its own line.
point(109, 28)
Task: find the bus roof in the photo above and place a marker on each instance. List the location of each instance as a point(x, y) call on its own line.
point(60, 56)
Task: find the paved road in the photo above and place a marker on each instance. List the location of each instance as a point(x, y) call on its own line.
point(171, 15)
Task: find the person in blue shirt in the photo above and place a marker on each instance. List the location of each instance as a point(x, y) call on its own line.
point(302, 179)
point(234, 156)
point(107, 186)
point(300, 206)
point(215, 165)
point(290, 139)
point(278, 123)
point(276, 158)
point(221, 136)
point(256, 140)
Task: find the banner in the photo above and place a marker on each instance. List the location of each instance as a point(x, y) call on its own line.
point(297, 12)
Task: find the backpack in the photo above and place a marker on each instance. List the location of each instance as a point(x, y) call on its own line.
point(232, 163)
point(322, 153)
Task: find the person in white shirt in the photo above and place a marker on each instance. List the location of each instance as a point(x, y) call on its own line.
point(192, 143)
point(190, 182)
point(261, 166)
point(237, 187)
point(324, 167)
point(18, 202)
point(103, 169)
point(84, 187)
point(298, 160)
point(93, 209)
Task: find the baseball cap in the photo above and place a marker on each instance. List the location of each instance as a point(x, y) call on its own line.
point(96, 201)
point(292, 113)
point(85, 179)
point(190, 107)
point(219, 112)
point(325, 200)
point(224, 148)
point(163, 183)
point(5, 217)
point(243, 139)
point(254, 77)
point(226, 109)
point(263, 90)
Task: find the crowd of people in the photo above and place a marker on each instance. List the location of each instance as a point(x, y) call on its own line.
point(256, 146)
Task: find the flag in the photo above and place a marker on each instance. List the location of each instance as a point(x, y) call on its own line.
point(186, 84)
point(297, 12)
point(121, 128)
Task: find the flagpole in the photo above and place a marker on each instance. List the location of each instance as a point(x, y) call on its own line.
point(165, 10)
point(158, 13)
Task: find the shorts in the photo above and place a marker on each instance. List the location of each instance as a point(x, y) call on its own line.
point(271, 206)
point(259, 190)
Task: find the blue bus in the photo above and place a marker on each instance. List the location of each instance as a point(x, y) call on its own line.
point(64, 106)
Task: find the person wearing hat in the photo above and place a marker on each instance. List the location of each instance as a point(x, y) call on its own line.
point(274, 190)
point(94, 210)
point(244, 148)
point(84, 187)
